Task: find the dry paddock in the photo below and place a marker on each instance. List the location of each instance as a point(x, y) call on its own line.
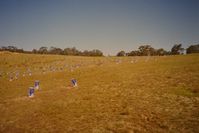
point(114, 95)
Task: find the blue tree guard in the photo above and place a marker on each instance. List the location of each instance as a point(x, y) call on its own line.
point(74, 82)
point(31, 92)
point(37, 84)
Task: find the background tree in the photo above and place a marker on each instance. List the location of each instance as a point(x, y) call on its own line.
point(67, 51)
point(34, 51)
point(54, 50)
point(161, 52)
point(175, 50)
point(85, 53)
point(133, 53)
point(96, 52)
point(146, 50)
point(11, 49)
point(75, 51)
point(193, 49)
point(121, 53)
point(43, 50)
point(71, 51)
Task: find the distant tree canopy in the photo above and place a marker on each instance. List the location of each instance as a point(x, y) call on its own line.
point(68, 51)
point(193, 49)
point(177, 49)
point(95, 52)
point(72, 51)
point(121, 53)
point(147, 50)
point(11, 49)
point(161, 52)
point(54, 50)
point(143, 50)
point(134, 53)
point(43, 50)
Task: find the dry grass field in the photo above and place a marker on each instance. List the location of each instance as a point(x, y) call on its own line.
point(114, 94)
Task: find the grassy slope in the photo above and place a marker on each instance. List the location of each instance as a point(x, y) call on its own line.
point(157, 95)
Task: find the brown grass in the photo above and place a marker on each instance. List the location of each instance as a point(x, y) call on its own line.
point(159, 94)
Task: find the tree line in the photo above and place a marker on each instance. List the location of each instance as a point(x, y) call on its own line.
point(54, 50)
point(11, 49)
point(148, 50)
point(143, 50)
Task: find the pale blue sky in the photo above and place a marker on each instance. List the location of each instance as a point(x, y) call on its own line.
point(108, 25)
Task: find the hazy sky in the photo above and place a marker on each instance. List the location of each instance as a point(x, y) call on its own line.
point(108, 25)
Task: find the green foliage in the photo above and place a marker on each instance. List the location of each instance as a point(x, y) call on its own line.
point(193, 49)
point(121, 53)
point(161, 52)
point(177, 49)
point(11, 49)
point(54, 50)
point(43, 50)
point(146, 50)
point(134, 53)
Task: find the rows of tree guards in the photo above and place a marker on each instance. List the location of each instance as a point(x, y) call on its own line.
point(143, 50)
point(148, 50)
